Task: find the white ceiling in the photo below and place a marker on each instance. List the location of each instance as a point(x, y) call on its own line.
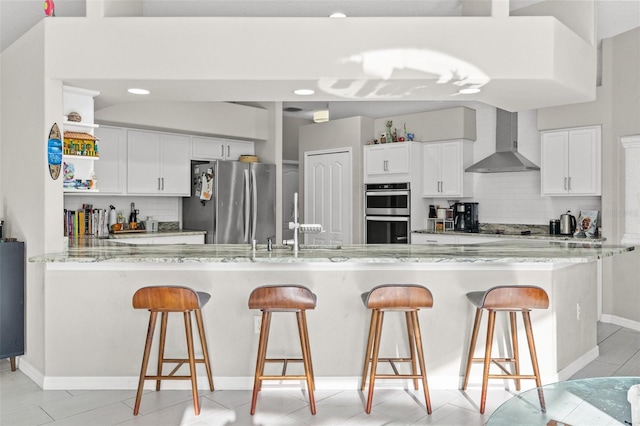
point(17, 16)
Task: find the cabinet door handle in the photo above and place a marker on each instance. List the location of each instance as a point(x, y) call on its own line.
point(569, 186)
point(228, 151)
point(565, 183)
point(162, 183)
point(221, 150)
point(384, 165)
point(158, 184)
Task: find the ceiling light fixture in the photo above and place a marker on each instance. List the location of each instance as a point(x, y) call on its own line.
point(337, 15)
point(137, 91)
point(304, 92)
point(321, 116)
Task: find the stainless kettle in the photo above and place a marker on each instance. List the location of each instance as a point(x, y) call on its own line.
point(567, 223)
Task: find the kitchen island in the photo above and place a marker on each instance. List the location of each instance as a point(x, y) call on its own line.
point(94, 338)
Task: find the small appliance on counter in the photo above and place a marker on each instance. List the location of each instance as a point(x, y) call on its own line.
point(471, 217)
point(567, 223)
point(459, 222)
point(554, 227)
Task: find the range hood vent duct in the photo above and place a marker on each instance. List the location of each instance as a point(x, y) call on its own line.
point(506, 158)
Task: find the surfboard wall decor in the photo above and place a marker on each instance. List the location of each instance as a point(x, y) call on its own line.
point(54, 151)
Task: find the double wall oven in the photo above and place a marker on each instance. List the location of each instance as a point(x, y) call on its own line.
point(387, 213)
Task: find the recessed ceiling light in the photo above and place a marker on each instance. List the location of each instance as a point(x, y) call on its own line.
point(337, 15)
point(137, 91)
point(469, 91)
point(304, 92)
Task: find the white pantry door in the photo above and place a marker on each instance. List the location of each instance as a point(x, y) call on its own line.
point(328, 195)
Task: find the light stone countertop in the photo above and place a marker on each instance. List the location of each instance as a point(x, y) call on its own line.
point(168, 233)
point(528, 251)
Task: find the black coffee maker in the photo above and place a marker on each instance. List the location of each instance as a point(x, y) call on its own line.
point(471, 222)
point(459, 220)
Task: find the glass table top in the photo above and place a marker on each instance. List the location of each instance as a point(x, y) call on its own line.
point(596, 401)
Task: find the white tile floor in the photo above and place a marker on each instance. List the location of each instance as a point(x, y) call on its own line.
point(24, 403)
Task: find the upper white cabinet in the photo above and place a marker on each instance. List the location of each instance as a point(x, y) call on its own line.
point(443, 168)
point(571, 162)
point(111, 170)
point(158, 163)
point(391, 162)
point(203, 148)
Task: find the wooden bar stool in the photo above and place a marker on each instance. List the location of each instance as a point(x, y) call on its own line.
point(407, 298)
point(167, 299)
point(283, 298)
point(509, 299)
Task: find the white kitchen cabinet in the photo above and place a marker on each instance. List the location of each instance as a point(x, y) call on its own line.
point(462, 239)
point(111, 171)
point(443, 168)
point(158, 239)
point(571, 162)
point(418, 238)
point(158, 163)
point(392, 162)
point(204, 148)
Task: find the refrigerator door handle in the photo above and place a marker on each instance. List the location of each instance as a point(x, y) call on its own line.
point(247, 206)
point(254, 204)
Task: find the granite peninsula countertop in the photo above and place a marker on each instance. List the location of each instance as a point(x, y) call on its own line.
point(103, 250)
point(162, 233)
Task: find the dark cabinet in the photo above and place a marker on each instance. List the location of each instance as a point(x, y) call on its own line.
point(11, 301)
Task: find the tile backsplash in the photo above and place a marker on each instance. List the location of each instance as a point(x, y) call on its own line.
point(163, 209)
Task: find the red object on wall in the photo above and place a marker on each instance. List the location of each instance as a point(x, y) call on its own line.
point(49, 8)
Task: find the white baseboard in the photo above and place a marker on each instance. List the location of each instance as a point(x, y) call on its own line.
point(622, 322)
point(31, 372)
point(577, 365)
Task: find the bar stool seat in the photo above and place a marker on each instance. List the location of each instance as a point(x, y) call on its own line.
point(283, 298)
point(166, 299)
point(511, 299)
point(407, 298)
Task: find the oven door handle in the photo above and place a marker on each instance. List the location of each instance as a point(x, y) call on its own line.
point(385, 193)
point(389, 218)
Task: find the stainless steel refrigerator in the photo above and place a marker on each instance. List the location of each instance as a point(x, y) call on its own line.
point(235, 202)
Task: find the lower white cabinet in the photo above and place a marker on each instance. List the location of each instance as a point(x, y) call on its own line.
point(204, 148)
point(571, 161)
point(443, 238)
point(169, 239)
point(158, 163)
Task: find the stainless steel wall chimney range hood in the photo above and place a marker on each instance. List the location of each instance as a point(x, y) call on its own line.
point(506, 158)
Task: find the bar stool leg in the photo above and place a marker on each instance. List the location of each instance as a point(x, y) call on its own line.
point(423, 370)
point(534, 358)
point(192, 362)
point(205, 348)
point(262, 351)
point(514, 346)
point(145, 360)
point(487, 358)
point(368, 354)
point(163, 334)
point(374, 361)
point(412, 348)
point(313, 378)
point(306, 358)
point(472, 346)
